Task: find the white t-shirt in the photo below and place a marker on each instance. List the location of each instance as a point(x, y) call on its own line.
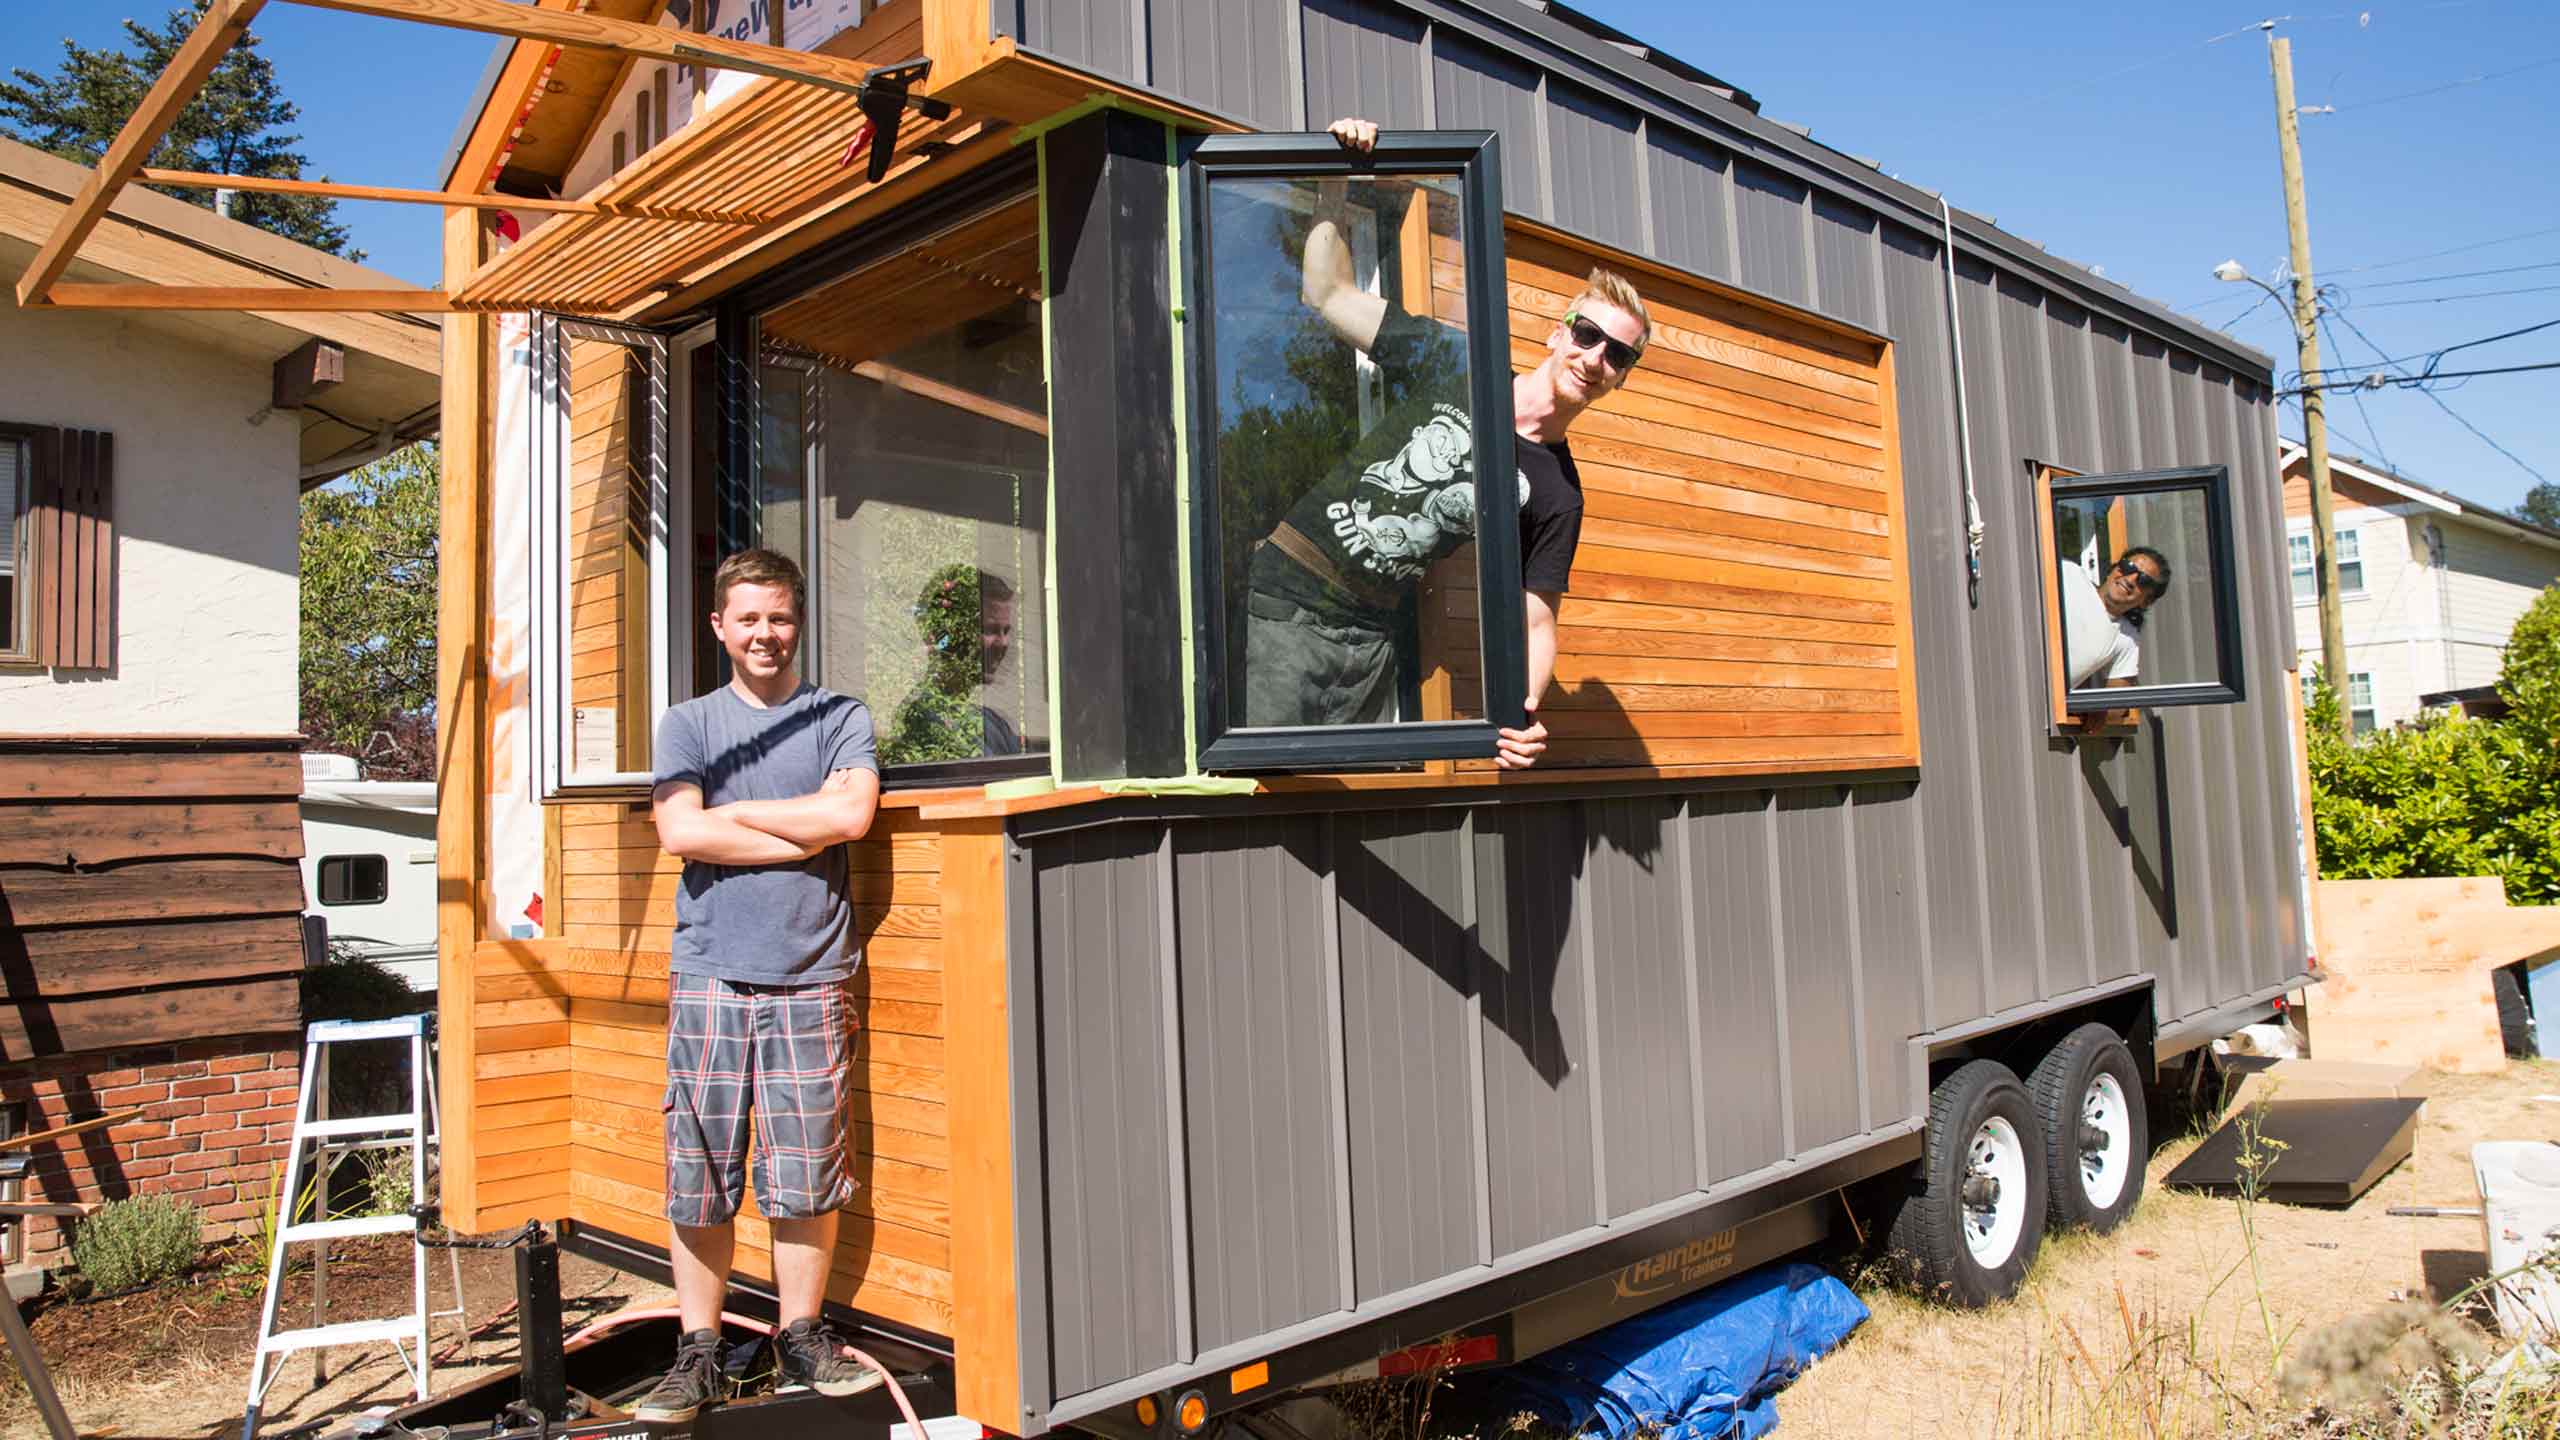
point(2096, 646)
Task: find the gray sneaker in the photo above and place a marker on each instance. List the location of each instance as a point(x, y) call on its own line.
point(691, 1383)
point(812, 1358)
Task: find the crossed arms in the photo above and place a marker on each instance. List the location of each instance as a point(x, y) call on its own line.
point(765, 832)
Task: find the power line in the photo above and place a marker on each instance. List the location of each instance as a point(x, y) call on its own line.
point(2438, 401)
point(2440, 254)
point(2440, 89)
point(2466, 275)
point(2378, 381)
point(2437, 355)
point(2372, 436)
point(2465, 295)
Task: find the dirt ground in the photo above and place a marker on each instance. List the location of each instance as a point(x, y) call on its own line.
point(2158, 1329)
point(173, 1363)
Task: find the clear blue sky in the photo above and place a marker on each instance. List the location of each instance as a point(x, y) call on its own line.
point(2124, 137)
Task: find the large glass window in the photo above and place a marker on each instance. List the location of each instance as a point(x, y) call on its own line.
point(1357, 507)
point(903, 456)
point(2141, 605)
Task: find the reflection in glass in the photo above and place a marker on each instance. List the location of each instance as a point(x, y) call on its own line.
point(920, 414)
point(2135, 583)
point(608, 559)
point(1345, 447)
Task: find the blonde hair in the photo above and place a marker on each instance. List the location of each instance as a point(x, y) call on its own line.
point(759, 566)
point(1610, 287)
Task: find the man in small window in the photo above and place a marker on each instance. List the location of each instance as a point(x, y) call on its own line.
point(1328, 582)
point(759, 785)
point(2102, 618)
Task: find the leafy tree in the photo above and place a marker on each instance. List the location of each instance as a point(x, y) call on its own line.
point(2449, 795)
point(2541, 506)
point(369, 615)
point(235, 126)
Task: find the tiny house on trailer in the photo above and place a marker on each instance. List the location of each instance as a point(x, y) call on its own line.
point(1202, 1058)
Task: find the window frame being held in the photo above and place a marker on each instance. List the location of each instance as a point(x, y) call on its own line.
point(1473, 159)
point(2074, 708)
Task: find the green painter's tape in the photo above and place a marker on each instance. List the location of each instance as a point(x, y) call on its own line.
point(1017, 789)
point(1049, 527)
point(1183, 785)
point(1183, 558)
point(1091, 103)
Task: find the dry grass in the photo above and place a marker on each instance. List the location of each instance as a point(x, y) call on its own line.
point(2206, 1317)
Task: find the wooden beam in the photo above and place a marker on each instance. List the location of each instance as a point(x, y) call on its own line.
point(927, 388)
point(270, 298)
point(198, 180)
point(224, 22)
point(676, 47)
point(462, 669)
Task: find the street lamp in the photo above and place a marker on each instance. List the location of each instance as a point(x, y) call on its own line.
point(2305, 311)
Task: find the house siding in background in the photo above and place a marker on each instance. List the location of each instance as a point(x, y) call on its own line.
point(2444, 582)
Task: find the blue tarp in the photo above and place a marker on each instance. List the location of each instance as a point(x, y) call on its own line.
point(1700, 1368)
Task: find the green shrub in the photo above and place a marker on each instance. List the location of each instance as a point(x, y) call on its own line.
point(2452, 796)
point(369, 1077)
point(129, 1244)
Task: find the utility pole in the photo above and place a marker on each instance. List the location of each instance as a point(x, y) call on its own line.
point(2306, 335)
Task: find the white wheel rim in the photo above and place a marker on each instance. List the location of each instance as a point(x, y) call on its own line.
point(2105, 1141)
point(1995, 1193)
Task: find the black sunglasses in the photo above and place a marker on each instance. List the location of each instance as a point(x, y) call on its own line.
point(1620, 355)
point(2151, 585)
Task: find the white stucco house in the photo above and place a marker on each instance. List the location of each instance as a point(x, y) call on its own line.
point(2429, 584)
point(151, 468)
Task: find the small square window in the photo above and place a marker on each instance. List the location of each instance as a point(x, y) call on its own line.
point(2360, 701)
point(2140, 605)
point(1353, 451)
point(354, 880)
point(2306, 575)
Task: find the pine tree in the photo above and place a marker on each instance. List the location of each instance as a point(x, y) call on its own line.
point(236, 126)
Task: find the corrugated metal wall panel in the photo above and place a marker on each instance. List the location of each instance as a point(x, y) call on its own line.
point(1893, 949)
point(1478, 89)
point(1844, 262)
point(1769, 221)
point(1254, 921)
point(1950, 810)
point(1104, 1107)
point(1731, 880)
point(1818, 936)
point(1692, 191)
point(2007, 676)
point(1099, 35)
point(1532, 916)
point(1647, 1009)
point(1409, 981)
point(1595, 165)
point(1361, 60)
point(1216, 54)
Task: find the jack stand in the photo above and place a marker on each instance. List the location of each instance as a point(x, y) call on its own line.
point(546, 1373)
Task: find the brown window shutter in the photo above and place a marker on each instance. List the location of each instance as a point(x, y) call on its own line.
point(74, 520)
point(44, 541)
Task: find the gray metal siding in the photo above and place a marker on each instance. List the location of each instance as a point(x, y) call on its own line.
point(1253, 915)
point(1417, 1038)
point(1184, 45)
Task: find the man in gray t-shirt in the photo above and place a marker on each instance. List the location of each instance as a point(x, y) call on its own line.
point(759, 785)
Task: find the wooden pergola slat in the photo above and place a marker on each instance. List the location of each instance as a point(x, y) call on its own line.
point(276, 185)
point(70, 296)
point(681, 47)
point(224, 22)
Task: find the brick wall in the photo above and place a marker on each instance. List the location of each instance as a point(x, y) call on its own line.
point(216, 1120)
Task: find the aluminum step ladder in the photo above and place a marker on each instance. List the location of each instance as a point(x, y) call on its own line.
point(327, 1140)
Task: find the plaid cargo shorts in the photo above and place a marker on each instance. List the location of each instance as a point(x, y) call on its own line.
point(771, 1057)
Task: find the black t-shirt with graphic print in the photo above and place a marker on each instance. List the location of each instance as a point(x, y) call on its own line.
point(1404, 498)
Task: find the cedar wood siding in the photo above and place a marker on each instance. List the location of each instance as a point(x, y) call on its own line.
point(148, 891)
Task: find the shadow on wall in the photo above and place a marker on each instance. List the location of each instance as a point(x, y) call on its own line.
point(2130, 780)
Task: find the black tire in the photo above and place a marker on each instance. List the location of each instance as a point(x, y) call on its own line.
point(1945, 1251)
point(2093, 1162)
point(2515, 1013)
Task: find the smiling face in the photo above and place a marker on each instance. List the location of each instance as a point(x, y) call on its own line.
point(1583, 372)
point(2132, 584)
point(995, 634)
point(759, 627)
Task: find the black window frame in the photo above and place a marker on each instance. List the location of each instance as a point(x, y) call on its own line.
point(355, 867)
point(2229, 686)
point(1474, 158)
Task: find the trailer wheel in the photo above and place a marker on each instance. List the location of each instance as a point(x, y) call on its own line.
point(1971, 1231)
point(2097, 1134)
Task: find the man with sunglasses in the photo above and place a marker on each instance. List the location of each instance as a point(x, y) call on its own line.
point(2102, 619)
point(1329, 581)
